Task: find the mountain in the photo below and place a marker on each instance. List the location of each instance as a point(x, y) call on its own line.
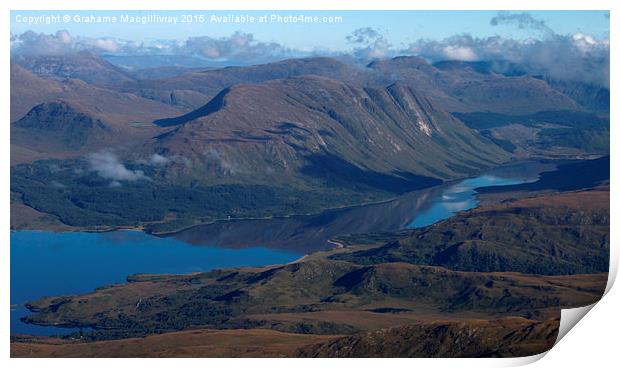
point(29, 90)
point(127, 116)
point(452, 86)
point(195, 89)
point(324, 128)
point(304, 135)
point(591, 96)
point(60, 126)
point(83, 65)
point(462, 87)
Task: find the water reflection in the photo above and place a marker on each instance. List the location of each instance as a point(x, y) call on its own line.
point(311, 233)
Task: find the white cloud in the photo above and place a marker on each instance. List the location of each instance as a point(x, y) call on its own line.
point(239, 47)
point(577, 57)
point(371, 44)
point(157, 159)
point(462, 53)
point(108, 166)
point(106, 44)
point(33, 44)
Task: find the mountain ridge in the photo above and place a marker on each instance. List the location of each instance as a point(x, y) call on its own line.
point(379, 129)
point(454, 92)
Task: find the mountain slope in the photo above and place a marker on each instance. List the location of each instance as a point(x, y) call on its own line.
point(506, 337)
point(468, 88)
point(503, 337)
point(290, 146)
point(29, 90)
point(60, 126)
point(324, 128)
point(195, 89)
point(128, 116)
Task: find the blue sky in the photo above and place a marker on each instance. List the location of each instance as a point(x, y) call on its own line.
point(400, 27)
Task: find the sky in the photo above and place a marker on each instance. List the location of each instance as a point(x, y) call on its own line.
point(571, 45)
point(402, 27)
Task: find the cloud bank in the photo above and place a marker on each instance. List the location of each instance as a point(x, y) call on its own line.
point(240, 46)
point(36, 44)
point(577, 57)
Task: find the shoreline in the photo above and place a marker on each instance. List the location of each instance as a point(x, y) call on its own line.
point(340, 245)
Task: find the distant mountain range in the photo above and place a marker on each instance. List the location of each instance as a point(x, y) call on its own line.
point(460, 86)
point(453, 87)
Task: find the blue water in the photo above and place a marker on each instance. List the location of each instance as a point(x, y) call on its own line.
point(458, 197)
point(50, 264)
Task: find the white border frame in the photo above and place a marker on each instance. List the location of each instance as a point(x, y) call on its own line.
point(593, 341)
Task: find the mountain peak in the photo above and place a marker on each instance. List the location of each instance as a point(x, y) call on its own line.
point(60, 125)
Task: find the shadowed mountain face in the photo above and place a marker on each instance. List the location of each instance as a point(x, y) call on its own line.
point(59, 126)
point(588, 95)
point(313, 133)
point(290, 146)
